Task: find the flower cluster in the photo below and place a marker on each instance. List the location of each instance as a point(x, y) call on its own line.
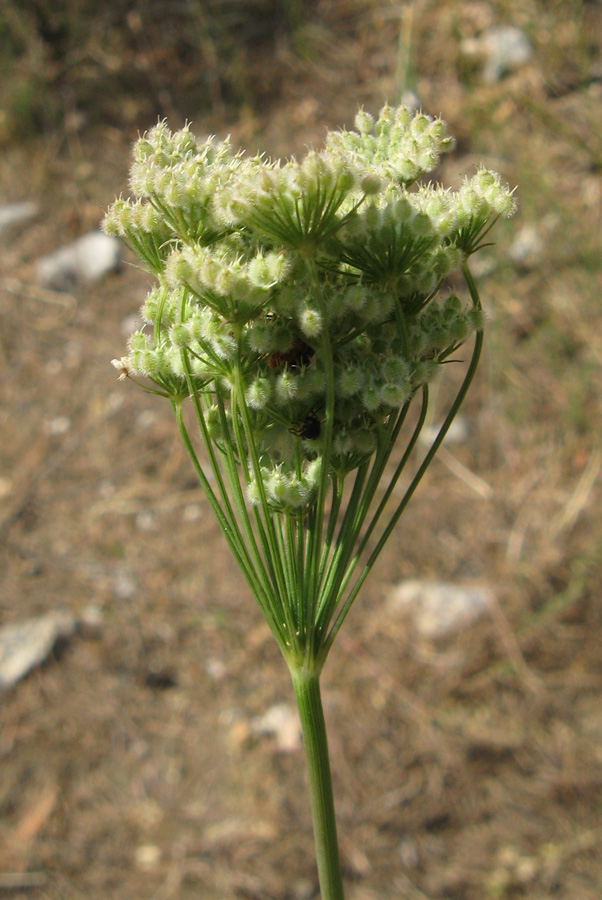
point(297, 303)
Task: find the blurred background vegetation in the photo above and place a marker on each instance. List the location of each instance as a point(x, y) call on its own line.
point(114, 62)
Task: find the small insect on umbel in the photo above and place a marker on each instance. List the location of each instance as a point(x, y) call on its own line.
point(309, 429)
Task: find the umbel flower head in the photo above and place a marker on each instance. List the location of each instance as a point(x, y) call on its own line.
point(301, 304)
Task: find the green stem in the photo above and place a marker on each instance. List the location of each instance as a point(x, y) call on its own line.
point(306, 685)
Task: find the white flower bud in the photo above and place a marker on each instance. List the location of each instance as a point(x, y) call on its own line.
point(224, 345)
point(276, 486)
point(350, 381)
point(422, 225)
point(364, 122)
point(297, 493)
point(371, 184)
point(259, 392)
point(286, 387)
point(179, 335)
point(310, 322)
point(396, 393)
point(355, 298)
point(371, 397)
point(342, 442)
point(259, 273)
point(312, 473)
point(253, 493)
point(476, 317)
point(278, 266)
point(364, 441)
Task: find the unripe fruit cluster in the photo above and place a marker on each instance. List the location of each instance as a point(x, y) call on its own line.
point(298, 302)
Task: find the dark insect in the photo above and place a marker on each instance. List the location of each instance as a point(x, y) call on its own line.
point(309, 429)
point(299, 354)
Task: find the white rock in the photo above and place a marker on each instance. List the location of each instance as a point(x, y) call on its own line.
point(145, 521)
point(439, 608)
point(26, 644)
point(282, 721)
point(457, 433)
point(12, 213)
point(192, 512)
point(91, 621)
point(215, 668)
point(146, 419)
point(124, 585)
point(411, 100)
point(87, 259)
point(503, 49)
point(147, 856)
point(526, 250)
point(57, 426)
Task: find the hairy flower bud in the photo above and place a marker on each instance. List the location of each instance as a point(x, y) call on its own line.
point(310, 322)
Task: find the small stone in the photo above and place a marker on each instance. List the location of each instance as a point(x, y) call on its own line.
point(408, 852)
point(410, 99)
point(26, 644)
point(215, 668)
point(53, 367)
point(526, 250)
point(91, 622)
point(503, 50)
point(106, 489)
point(146, 419)
point(457, 432)
point(281, 721)
point(86, 260)
point(483, 265)
point(192, 512)
point(303, 889)
point(145, 521)
point(57, 426)
point(12, 213)
point(147, 856)
point(124, 586)
point(114, 402)
point(438, 609)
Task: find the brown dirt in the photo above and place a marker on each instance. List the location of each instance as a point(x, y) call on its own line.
point(466, 770)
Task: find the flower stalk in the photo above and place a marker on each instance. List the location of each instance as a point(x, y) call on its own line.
point(301, 311)
point(306, 685)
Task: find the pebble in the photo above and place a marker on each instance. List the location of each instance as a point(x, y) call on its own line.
point(503, 49)
point(145, 521)
point(12, 213)
point(57, 426)
point(124, 585)
point(86, 260)
point(147, 856)
point(192, 512)
point(91, 622)
point(526, 250)
point(281, 721)
point(438, 609)
point(215, 668)
point(457, 433)
point(26, 644)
